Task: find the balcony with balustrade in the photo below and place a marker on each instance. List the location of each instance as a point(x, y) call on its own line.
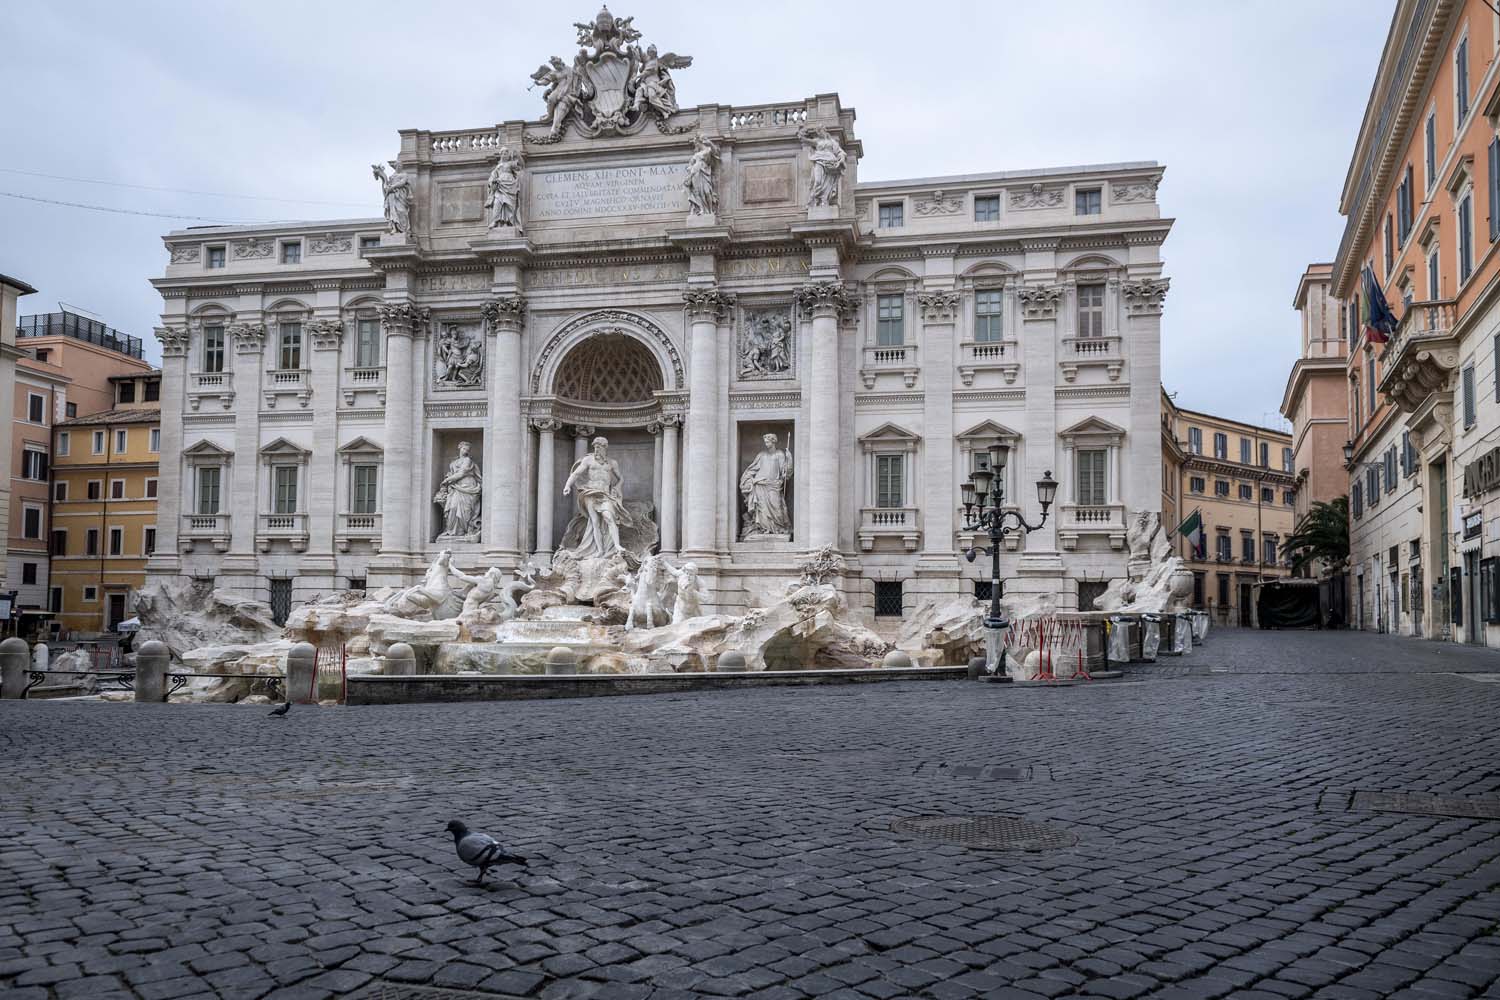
point(976, 356)
point(891, 359)
point(204, 529)
point(1075, 353)
point(289, 528)
point(370, 378)
point(353, 528)
point(279, 382)
point(1076, 520)
point(876, 523)
point(210, 385)
point(1421, 356)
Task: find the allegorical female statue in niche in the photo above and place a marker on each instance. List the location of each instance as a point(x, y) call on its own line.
point(503, 191)
point(763, 485)
point(396, 188)
point(703, 198)
point(828, 161)
point(459, 494)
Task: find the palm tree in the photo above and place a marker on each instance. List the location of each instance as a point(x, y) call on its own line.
point(1322, 535)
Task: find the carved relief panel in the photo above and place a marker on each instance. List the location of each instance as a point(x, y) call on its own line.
point(766, 346)
point(458, 356)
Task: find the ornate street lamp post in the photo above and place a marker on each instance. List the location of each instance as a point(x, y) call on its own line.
point(984, 500)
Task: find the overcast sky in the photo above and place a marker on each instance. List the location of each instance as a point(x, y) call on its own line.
point(1253, 109)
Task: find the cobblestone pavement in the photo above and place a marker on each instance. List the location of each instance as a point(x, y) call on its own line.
point(738, 843)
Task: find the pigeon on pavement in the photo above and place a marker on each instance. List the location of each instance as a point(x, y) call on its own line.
point(280, 710)
point(480, 850)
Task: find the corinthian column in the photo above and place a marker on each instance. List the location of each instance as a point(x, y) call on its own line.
point(398, 510)
point(668, 508)
point(939, 484)
point(546, 486)
point(173, 499)
point(321, 502)
point(824, 302)
point(706, 307)
point(506, 436)
point(249, 362)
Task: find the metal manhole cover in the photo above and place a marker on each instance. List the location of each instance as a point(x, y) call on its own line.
point(986, 833)
point(1426, 804)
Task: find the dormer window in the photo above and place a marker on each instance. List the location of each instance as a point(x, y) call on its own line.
point(1088, 201)
point(291, 252)
point(891, 215)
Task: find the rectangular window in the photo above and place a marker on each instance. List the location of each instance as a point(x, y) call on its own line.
point(28, 573)
point(888, 599)
point(60, 491)
point(1406, 203)
point(1221, 488)
point(1356, 500)
point(284, 489)
point(1265, 455)
point(98, 442)
point(890, 320)
point(1091, 310)
point(215, 257)
point(1286, 460)
point(1430, 138)
point(1195, 440)
point(1245, 451)
point(1432, 275)
point(148, 543)
point(151, 489)
point(64, 442)
point(1195, 484)
point(291, 346)
point(1465, 237)
point(1494, 189)
point(208, 490)
point(59, 543)
point(94, 490)
point(1224, 547)
point(987, 208)
point(1247, 492)
point(1270, 545)
point(117, 489)
point(1390, 246)
point(70, 410)
point(1221, 445)
point(1092, 464)
point(90, 594)
point(1267, 495)
point(1369, 386)
point(1088, 201)
point(291, 252)
point(368, 242)
point(116, 541)
point(36, 408)
point(890, 482)
point(122, 438)
point(1289, 497)
point(365, 497)
point(1247, 547)
point(1408, 455)
point(153, 391)
point(127, 392)
point(31, 522)
point(988, 317)
point(91, 542)
point(1468, 390)
point(213, 348)
point(155, 439)
point(1461, 79)
point(890, 215)
point(34, 464)
point(1223, 588)
point(367, 343)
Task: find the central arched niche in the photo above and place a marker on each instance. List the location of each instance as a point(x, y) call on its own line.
point(608, 368)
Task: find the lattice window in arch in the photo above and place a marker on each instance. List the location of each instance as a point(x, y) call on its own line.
point(609, 368)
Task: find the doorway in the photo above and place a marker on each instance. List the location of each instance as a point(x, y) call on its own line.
point(116, 611)
point(1473, 627)
point(1246, 617)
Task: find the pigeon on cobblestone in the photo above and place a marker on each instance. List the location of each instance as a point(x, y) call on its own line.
point(480, 850)
point(280, 710)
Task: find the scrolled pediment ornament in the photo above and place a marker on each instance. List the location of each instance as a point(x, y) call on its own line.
point(174, 341)
point(1145, 297)
point(826, 298)
point(612, 86)
point(1039, 301)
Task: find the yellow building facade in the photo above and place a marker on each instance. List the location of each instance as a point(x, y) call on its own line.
point(104, 488)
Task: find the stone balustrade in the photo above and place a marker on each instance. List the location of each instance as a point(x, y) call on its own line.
point(889, 522)
point(900, 359)
point(290, 528)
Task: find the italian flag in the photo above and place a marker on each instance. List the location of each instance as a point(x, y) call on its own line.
point(1193, 529)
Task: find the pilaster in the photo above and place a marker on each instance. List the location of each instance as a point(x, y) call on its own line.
point(824, 303)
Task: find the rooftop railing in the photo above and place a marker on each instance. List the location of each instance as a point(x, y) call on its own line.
point(90, 331)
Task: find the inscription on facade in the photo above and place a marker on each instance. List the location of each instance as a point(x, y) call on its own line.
point(1482, 476)
point(763, 183)
point(460, 203)
point(453, 282)
point(648, 189)
point(756, 267)
point(611, 274)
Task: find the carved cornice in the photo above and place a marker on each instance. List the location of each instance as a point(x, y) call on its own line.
point(403, 319)
point(708, 303)
point(826, 298)
point(939, 307)
point(249, 338)
point(326, 334)
point(1145, 297)
point(174, 341)
point(507, 313)
point(1039, 301)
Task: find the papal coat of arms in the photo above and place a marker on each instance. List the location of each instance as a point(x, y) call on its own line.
point(612, 86)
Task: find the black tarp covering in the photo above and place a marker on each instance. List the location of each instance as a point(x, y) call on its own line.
point(1289, 605)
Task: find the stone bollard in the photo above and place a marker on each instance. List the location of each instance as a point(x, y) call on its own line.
point(40, 657)
point(400, 660)
point(151, 662)
point(562, 660)
point(731, 663)
point(302, 673)
point(977, 665)
point(896, 660)
point(15, 662)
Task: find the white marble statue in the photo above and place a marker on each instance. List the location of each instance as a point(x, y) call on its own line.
point(703, 196)
point(828, 161)
point(1142, 531)
point(491, 599)
point(763, 485)
point(646, 587)
point(565, 90)
point(435, 595)
point(458, 359)
point(597, 478)
point(396, 188)
point(766, 344)
point(688, 602)
point(459, 495)
point(503, 191)
point(652, 84)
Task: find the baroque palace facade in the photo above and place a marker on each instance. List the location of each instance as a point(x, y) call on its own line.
point(343, 400)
